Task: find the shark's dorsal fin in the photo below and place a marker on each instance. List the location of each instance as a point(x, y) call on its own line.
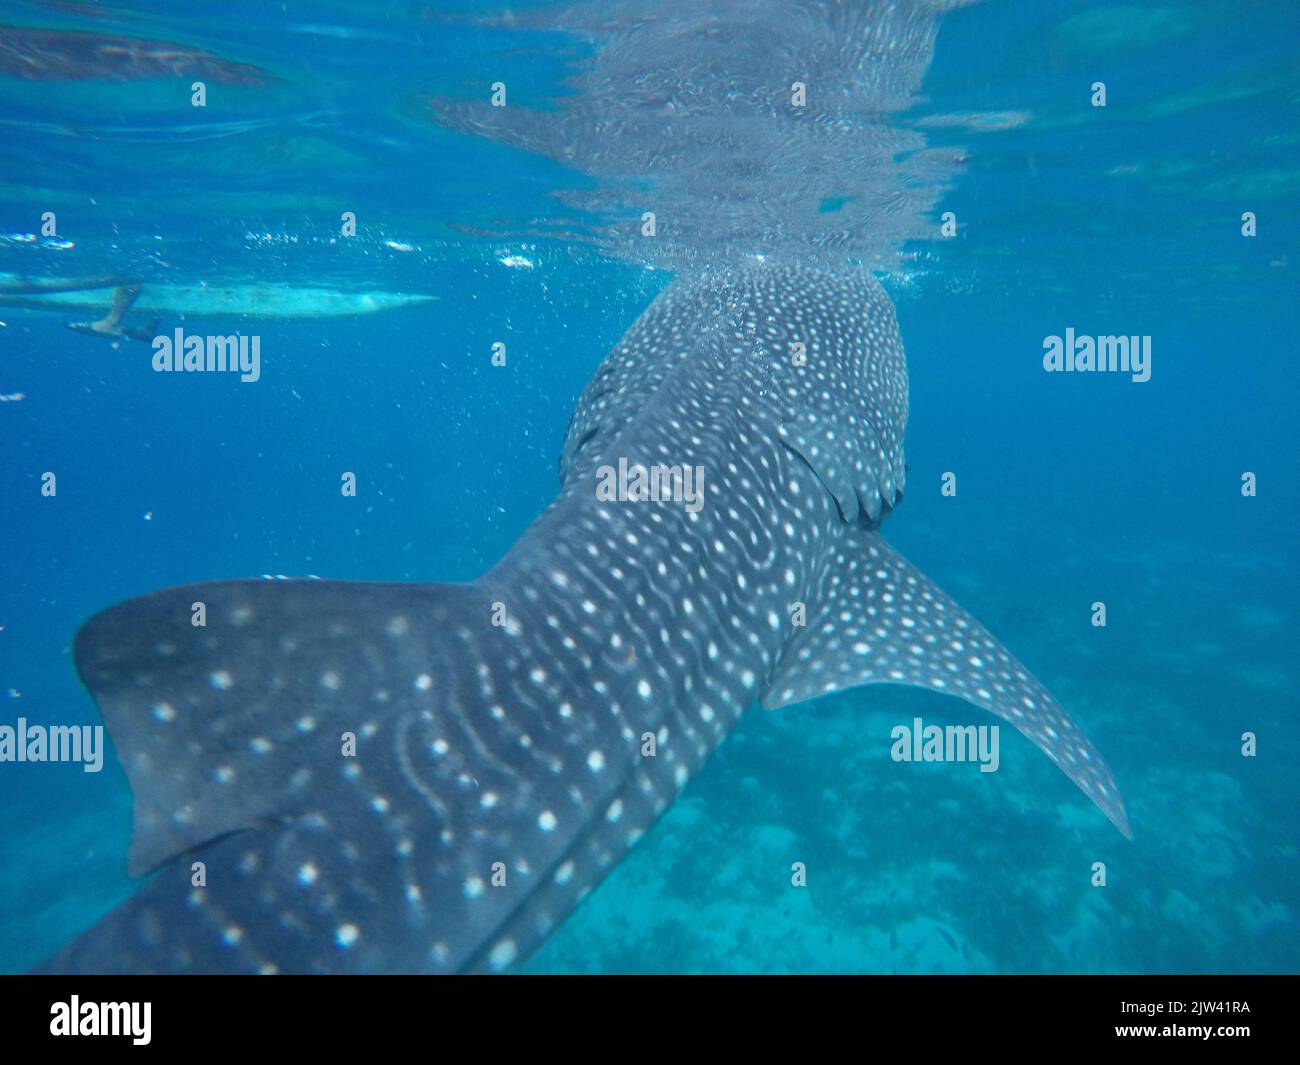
point(878, 620)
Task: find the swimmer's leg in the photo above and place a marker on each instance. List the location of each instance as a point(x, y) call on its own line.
point(123, 297)
point(111, 324)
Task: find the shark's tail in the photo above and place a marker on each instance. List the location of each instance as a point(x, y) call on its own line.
point(327, 775)
point(262, 725)
point(224, 698)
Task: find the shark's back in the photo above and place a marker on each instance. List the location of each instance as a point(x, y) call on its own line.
point(811, 356)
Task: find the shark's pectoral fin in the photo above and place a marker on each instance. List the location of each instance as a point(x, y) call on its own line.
point(234, 723)
point(878, 620)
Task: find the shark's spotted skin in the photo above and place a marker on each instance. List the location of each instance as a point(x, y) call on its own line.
point(882, 622)
point(502, 727)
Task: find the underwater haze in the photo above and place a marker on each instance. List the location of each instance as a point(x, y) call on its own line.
point(1017, 176)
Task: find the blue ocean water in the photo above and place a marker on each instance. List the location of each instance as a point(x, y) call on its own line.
point(1072, 489)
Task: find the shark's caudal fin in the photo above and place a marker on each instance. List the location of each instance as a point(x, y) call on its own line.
point(292, 748)
point(235, 736)
point(878, 620)
point(231, 724)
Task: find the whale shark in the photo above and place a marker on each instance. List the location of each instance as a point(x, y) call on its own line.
point(332, 776)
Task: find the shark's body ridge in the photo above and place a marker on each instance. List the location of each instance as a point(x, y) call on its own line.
point(502, 727)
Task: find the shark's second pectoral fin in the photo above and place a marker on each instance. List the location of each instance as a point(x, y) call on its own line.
point(878, 620)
